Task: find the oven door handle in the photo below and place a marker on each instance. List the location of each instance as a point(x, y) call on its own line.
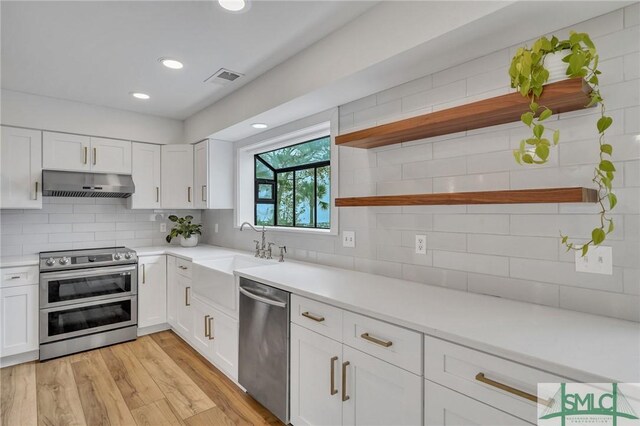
point(92, 272)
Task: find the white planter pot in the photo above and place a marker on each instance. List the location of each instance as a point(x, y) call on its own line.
point(557, 69)
point(192, 241)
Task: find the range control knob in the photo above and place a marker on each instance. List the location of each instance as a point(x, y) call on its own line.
point(116, 256)
point(64, 260)
point(50, 261)
point(127, 255)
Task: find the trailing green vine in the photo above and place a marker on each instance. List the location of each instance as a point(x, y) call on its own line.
point(529, 75)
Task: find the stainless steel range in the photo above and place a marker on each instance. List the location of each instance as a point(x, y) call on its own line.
point(88, 299)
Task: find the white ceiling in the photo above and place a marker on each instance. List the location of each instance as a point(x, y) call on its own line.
point(98, 51)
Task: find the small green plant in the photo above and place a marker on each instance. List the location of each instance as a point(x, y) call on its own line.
point(183, 227)
point(529, 75)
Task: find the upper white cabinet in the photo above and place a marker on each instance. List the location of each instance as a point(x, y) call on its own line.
point(110, 156)
point(62, 151)
point(152, 290)
point(145, 171)
point(21, 166)
point(177, 177)
point(213, 174)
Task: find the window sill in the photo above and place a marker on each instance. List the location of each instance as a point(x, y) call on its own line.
point(312, 231)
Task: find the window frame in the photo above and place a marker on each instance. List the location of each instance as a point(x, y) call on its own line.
point(274, 183)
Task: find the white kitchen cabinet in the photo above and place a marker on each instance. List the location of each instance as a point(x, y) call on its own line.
point(18, 319)
point(445, 407)
point(177, 177)
point(110, 156)
point(201, 174)
point(172, 300)
point(215, 335)
point(152, 290)
point(316, 364)
point(184, 313)
point(21, 167)
point(379, 393)
point(145, 171)
point(63, 151)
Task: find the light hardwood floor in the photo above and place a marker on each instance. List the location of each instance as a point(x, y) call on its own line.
point(156, 380)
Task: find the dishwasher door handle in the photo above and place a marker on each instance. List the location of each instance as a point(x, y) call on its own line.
point(262, 299)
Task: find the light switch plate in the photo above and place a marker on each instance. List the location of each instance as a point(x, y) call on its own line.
point(348, 239)
point(163, 227)
point(599, 260)
point(421, 244)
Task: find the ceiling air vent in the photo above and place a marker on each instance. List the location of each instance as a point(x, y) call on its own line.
point(223, 77)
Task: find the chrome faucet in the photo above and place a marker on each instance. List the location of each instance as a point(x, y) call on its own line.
point(261, 251)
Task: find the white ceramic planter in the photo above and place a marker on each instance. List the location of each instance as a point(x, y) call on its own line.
point(192, 241)
point(557, 69)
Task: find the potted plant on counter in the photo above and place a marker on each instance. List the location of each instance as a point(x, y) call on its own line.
point(575, 57)
point(187, 231)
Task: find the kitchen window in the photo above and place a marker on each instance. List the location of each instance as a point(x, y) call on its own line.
point(293, 185)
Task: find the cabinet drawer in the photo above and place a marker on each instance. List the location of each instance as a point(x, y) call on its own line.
point(444, 407)
point(317, 316)
point(458, 367)
point(391, 343)
point(183, 267)
point(19, 275)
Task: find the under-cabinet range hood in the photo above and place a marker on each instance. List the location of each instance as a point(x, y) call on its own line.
point(80, 184)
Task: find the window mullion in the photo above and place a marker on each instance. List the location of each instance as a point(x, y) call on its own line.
point(315, 197)
point(294, 198)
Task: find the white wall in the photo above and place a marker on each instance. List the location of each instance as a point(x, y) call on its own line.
point(507, 251)
point(41, 112)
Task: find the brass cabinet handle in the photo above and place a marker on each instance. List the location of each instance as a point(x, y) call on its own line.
point(522, 394)
point(204, 192)
point(85, 154)
point(187, 302)
point(183, 267)
point(157, 194)
point(211, 328)
point(15, 277)
point(345, 397)
point(144, 273)
point(333, 375)
point(36, 191)
point(188, 194)
point(207, 331)
point(384, 343)
point(95, 156)
point(313, 317)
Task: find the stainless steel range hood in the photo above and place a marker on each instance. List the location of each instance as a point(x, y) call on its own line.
point(80, 184)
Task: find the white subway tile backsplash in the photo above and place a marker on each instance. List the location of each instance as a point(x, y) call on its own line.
point(600, 303)
point(72, 218)
point(72, 237)
point(523, 290)
point(471, 223)
point(405, 221)
point(468, 183)
point(401, 187)
point(473, 144)
point(405, 154)
point(435, 276)
point(93, 227)
point(632, 15)
point(480, 263)
point(434, 96)
point(433, 168)
point(516, 246)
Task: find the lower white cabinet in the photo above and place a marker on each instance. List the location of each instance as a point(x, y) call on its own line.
point(445, 407)
point(18, 319)
point(152, 290)
point(172, 303)
point(184, 312)
point(365, 390)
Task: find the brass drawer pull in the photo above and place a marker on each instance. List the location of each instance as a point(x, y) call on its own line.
point(207, 331)
point(36, 191)
point(204, 192)
point(95, 156)
point(144, 273)
point(188, 194)
point(187, 302)
point(313, 317)
point(333, 375)
point(522, 394)
point(384, 343)
point(211, 328)
point(345, 397)
point(85, 154)
point(157, 194)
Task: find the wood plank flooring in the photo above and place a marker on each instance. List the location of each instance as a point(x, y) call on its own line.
point(154, 381)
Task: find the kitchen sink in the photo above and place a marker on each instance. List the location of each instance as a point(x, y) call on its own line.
point(213, 279)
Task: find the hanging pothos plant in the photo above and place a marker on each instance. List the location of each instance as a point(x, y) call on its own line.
point(528, 75)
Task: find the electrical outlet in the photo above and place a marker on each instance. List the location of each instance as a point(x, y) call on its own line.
point(163, 227)
point(421, 244)
point(348, 239)
point(215, 228)
point(599, 260)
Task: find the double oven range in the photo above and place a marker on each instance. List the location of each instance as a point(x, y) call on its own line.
point(88, 299)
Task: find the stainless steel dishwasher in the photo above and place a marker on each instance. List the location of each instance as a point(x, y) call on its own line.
point(263, 356)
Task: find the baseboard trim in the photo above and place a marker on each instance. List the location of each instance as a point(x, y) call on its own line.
point(8, 361)
point(143, 331)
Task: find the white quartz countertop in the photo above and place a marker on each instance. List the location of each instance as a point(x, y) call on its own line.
point(11, 261)
point(582, 346)
point(189, 253)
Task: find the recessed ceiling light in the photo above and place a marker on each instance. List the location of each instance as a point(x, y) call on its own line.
point(259, 126)
point(139, 95)
point(233, 5)
point(171, 63)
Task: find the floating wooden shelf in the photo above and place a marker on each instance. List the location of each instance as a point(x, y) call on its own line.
point(519, 196)
point(563, 96)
